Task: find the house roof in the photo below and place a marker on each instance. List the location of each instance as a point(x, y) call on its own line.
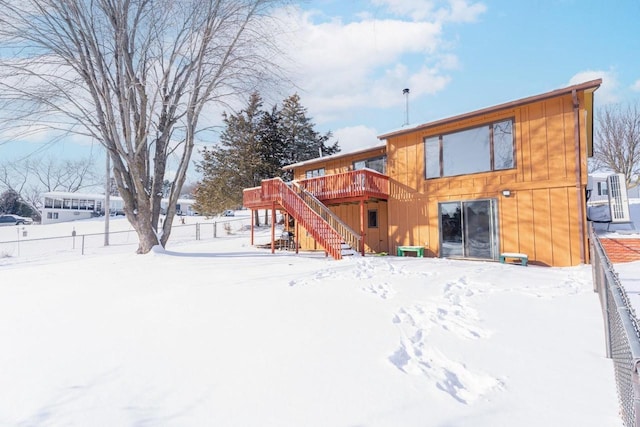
point(589, 86)
point(334, 156)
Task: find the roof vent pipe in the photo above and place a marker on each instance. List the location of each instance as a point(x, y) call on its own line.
point(406, 108)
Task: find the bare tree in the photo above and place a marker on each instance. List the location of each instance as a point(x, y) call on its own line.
point(30, 177)
point(617, 144)
point(136, 75)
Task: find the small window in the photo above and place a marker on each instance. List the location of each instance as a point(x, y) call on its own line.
point(602, 189)
point(372, 218)
point(378, 164)
point(314, 173)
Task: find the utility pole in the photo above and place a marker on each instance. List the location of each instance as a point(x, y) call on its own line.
point(107, 200)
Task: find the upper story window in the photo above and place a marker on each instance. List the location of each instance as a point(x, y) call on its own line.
point(479, 149)
point(313, 173)
point(378, 164)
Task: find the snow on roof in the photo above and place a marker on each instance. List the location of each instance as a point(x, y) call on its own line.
point(377, 146)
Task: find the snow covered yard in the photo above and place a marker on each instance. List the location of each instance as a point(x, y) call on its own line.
point(220, 333)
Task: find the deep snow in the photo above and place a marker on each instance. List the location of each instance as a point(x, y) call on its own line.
point(219, 333)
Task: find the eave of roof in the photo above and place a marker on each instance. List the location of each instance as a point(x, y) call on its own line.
point(591, 85)
point(333, 157)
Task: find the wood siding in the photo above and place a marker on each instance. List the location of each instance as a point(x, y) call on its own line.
point(541, 217)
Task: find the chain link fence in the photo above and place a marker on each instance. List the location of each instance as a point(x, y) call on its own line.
point(93, 243)
point(622, 335)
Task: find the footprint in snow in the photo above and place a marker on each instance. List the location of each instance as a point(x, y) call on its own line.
point(383, 290)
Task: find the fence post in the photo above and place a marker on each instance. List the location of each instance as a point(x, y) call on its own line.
point(197, 231)
point(215, 229)
point(635, 385)
point(83, 244)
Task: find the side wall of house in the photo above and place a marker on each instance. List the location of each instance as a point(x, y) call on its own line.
point(541, 218)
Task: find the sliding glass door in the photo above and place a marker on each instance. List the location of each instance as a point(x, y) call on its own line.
point(469, 229)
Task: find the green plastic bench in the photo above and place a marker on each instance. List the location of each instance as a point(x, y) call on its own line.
point(419, 250)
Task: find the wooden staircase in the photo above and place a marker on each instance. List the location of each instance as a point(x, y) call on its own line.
point(324, 226)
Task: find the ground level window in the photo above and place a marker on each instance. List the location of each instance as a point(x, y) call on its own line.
point(469, 229)
point(372, 218)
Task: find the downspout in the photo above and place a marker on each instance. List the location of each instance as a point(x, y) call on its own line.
point(580, 193)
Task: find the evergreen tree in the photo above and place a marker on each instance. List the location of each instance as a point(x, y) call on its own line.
point(234, 164)
point(301, 140)
point(271, 146)
point(255, 145)
point(12, 203)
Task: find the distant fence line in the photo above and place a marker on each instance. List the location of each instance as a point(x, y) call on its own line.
point(93, 243)
point(622, 334)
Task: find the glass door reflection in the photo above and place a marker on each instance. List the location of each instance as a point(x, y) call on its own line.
point(468, 229)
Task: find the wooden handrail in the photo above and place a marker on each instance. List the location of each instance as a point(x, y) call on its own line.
point(349, 236)
point(358, 183)
point(277, 191)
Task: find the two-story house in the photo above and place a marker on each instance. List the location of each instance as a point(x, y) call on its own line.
point(508, 178)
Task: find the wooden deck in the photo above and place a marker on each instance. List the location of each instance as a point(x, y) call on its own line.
point(348, 187)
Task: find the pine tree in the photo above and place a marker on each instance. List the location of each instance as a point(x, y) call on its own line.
point(301, 140)
point(234, 164)
point(256, 145)
point(271, 146)
point(12, 203)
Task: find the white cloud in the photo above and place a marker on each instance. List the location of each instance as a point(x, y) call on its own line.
point(446, 11)
point(636, 86)
point(607, 93)
point(341, 66)
point(356, 137)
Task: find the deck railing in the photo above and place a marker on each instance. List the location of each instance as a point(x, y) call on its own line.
point(354, 184)
point(253, 198)
point(358, 183)
point(275, 190)
point(349, 236)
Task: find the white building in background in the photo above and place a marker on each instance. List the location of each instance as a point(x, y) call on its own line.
point(60, 206)
point(598, 191)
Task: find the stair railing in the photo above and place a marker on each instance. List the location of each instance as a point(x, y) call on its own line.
point(350, 237)
point(276, 190)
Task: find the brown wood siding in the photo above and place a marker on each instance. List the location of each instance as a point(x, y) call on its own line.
point(541, 218)
point(336, 165)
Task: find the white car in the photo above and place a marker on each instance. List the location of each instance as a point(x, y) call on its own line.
point(11, 219)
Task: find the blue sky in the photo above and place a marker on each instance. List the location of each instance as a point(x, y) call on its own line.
point(487, 53)
point(353, 58)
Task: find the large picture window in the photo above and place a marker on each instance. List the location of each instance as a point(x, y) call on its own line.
point(479, 149)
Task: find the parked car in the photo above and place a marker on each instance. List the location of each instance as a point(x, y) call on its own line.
point(11, 219)
point(228, 212)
